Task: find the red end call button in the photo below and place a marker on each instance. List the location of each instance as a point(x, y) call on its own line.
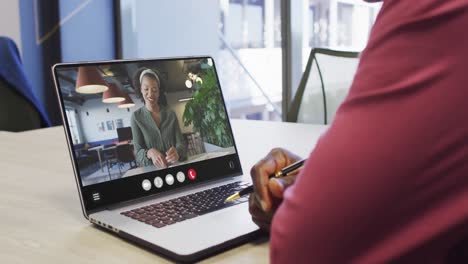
point(192, 174)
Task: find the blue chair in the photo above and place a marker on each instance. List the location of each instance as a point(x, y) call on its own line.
point(19, 108)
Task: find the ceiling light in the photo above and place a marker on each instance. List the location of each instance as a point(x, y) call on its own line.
point(127, 103)
point(89, 81)
point(113, 94)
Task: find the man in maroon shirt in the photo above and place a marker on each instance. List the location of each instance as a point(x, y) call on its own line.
point(388, 181)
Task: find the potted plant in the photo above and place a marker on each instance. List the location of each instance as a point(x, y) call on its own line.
point(206, 111)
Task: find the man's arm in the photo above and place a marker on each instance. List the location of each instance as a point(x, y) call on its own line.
point(342, 197)
point(381, 181)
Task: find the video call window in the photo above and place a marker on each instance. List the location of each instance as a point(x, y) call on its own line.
point(136, 117)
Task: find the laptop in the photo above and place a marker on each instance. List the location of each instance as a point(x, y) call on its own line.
point(153, 153)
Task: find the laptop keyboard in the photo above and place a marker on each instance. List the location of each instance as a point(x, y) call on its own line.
point(186, 207)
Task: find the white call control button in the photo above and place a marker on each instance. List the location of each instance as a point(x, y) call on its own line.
point(146, 184)
point(169, 179)
point(180, 176)
point(158, 182)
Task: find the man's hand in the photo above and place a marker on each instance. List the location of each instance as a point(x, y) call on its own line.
point(268, 193)
point(158, 159)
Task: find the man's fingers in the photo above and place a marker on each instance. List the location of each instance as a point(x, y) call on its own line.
point(259, 217)
point(264, 225)
point(268, 192)
point(261, 172)
point(260, 175)
point(277, 186)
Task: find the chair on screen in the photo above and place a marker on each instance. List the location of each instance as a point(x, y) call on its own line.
point(125, 154)
point(324, 85)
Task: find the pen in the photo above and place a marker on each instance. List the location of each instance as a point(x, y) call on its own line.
point(281, 173)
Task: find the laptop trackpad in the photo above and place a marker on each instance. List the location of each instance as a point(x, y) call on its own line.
point(189, 236)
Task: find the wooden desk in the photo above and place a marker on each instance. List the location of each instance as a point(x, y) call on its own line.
point(41, 219)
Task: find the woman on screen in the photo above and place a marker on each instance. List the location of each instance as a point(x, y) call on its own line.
point(156, 133)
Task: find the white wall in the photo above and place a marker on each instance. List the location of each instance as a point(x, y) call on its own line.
point(97, 114)
point(10, 21)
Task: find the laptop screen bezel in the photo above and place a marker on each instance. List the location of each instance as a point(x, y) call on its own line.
point(114, 189)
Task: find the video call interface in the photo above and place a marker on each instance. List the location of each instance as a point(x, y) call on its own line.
point(130, 118)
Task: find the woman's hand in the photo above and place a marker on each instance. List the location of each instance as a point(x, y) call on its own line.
point(158, 159)
point(268, 192)
point(172, 155)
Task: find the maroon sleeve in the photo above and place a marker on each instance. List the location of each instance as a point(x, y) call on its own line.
point(387, 181)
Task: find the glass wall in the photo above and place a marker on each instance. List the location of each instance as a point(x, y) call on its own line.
point(336, 24)
point(243, 36)
point(245, 39)
point(340, 24)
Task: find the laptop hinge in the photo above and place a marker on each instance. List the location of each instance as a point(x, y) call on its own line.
point(167, 193)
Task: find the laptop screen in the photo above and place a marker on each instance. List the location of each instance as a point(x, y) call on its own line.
point(143, 127)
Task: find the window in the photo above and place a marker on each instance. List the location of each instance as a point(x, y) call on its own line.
point(341, 24)
point(74, 127)
point(251, 58)
point(243, 36)
point(245, 39)
point(337, 24)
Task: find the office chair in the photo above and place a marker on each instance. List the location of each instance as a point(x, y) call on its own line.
point(19, 108)
point(324, 85)
point(125, 154)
